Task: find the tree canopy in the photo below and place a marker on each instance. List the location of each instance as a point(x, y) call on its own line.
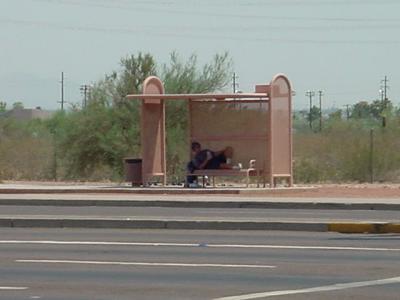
point(105, 131)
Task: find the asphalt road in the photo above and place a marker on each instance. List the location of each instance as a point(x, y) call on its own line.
point(177, 213)
point(159, 264)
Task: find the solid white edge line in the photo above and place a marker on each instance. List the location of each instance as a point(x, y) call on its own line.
point(11, 288)
point(161, 244)
point(98, 243)
point(304, 247)
point(146, 264)
point(333, 287)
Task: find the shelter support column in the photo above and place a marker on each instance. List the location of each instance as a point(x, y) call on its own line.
point(280, 129)
point(153, 132)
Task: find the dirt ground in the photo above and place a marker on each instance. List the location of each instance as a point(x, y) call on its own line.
point(346, 190)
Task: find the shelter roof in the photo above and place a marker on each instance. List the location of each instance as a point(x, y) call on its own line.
point(241, 96)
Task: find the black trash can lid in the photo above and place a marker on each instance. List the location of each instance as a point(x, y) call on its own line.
point(133, 160)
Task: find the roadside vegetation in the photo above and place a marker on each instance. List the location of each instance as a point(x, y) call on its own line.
point(89, 142)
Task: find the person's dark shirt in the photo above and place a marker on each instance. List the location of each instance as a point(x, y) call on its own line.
point(216, 161)
point(199, 159)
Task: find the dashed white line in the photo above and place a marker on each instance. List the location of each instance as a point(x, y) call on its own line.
point(11, 288)
point(144, 264)
point(162, 244)
point(333, 287)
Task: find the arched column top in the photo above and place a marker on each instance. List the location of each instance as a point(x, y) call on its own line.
point(153, 85)
point(281, 76)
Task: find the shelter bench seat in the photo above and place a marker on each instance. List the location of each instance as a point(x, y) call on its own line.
point(247, 173)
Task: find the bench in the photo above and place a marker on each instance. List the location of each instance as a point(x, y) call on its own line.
point(243, 172)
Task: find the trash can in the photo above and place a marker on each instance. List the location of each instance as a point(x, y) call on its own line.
point(133, 170)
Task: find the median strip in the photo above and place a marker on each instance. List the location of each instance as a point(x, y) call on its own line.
point(202, 202)
point(127, 223)
point(120, 223)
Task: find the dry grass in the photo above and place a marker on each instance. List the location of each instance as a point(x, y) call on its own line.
point(343, 154)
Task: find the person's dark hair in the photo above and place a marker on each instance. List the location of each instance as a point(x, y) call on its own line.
point(195, 145)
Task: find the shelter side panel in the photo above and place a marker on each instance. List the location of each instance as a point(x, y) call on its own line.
point(152, 135)
point(281, 127)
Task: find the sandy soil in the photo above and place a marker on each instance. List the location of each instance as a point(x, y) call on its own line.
point(345, 190)
point(379, 190)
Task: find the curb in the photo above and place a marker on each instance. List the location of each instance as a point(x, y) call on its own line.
point(200, 225)
point(364, 227)
point(159, 224)
point(159, 191)
point(201, 204)
point(138, 191)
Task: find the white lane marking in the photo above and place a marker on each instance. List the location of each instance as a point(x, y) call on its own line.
point(99, 243)
point(306, 247)
point(13, 288)
point(333, 287)
point(145, 264)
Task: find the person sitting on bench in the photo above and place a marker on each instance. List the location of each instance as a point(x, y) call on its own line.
point(207, 159)
point(221, 159)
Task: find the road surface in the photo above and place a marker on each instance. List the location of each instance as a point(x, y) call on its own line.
point(179, 213)
point(159, 264)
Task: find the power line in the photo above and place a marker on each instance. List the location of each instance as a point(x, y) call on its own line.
point(156, 8)
point(174, 33)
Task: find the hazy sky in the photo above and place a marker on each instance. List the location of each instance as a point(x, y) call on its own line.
point(343, 47)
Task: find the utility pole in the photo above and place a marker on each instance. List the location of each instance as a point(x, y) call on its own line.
point(62, 91)
point(371, 155)
point(234, 83)
point(85, 89)
point(384, 98)
point(320, 93)
point(310, 94)
point(347, 111)
point(381, 94)
point(385, 87)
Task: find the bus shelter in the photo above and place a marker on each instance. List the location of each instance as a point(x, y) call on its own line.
point(257, 125)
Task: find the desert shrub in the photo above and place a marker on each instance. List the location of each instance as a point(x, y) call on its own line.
point(26, 151)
